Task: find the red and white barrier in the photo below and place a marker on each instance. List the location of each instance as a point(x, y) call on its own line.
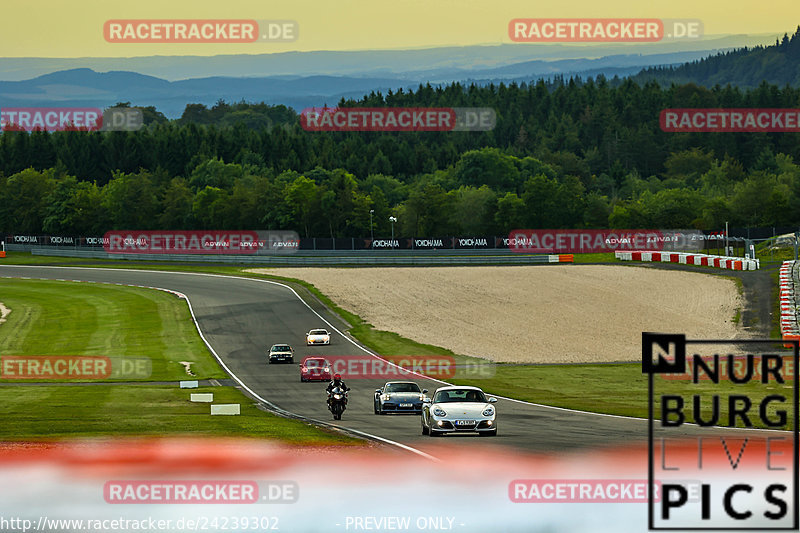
point(686, 258)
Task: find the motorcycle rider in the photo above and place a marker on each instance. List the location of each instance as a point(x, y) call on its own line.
point(336, 382)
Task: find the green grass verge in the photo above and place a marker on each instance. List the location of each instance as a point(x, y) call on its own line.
point(66, 319)
point(608, 257)
point(67, 411)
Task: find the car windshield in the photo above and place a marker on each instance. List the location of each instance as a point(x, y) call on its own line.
point(402, 387)
point(318, 332)
point(315, 363)
point(281, 348)
point(460, 395)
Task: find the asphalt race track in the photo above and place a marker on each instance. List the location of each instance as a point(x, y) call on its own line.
point(240, 318)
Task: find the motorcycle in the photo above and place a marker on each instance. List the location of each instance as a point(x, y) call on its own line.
point(337, 401)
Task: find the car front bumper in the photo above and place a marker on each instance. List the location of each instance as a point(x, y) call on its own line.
point(447, 425)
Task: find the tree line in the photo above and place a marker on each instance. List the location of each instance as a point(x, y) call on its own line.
point(697, 191)
point(564, 154)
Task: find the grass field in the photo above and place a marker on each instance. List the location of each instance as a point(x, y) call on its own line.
point(80, 319)
point(67, 318)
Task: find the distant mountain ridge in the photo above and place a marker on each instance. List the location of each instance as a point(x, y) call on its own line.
point(411, 64)
point(778, 64)
point(306, 79)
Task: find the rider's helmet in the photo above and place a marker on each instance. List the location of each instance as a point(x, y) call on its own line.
point(337, 377)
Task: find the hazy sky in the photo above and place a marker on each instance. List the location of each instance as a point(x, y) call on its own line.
point(74, 28)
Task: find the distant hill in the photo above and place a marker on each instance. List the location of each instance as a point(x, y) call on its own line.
point(305, 79)
point(778, 64)
point(425, 63)
point(87, 86)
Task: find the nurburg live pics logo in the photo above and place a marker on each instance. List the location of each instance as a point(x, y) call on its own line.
point(743, 463)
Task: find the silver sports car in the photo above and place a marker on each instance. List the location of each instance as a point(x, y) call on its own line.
point(399, 397)
point(457, 409)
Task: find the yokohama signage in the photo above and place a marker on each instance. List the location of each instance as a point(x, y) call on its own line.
point(594, 241)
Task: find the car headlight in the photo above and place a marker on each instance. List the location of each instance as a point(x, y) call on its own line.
point(385, 397)
point(438, 411)
point(326, 369)
point(489, 411)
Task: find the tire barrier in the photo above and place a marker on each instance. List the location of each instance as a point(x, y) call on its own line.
point(684, 258)
point(787, 284)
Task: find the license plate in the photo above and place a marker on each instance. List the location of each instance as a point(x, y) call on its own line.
point(406, 405)
point(465, 422)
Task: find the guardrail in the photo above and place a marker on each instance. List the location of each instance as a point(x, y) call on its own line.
point(408, 258)
point(308, 253)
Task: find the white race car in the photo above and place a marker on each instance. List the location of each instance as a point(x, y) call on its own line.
point(318, 336)
point(457, 409)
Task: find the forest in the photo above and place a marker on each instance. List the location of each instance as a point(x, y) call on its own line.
point(566, 153)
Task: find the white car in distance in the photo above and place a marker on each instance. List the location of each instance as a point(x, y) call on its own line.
point(281, 353)
point(318, 336)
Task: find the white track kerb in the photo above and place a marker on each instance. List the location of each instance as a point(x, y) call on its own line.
point(286, 413)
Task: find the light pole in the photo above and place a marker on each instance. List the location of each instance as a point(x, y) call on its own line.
point(392, 220)
point(371, 234)
point(726, 238)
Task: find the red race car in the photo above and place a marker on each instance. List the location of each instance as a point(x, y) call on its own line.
point(315, 369)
